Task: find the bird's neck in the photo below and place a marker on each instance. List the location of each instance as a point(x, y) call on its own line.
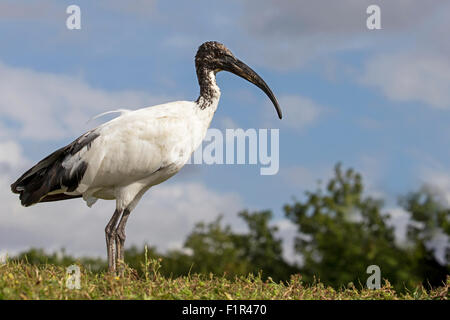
point(209, 91)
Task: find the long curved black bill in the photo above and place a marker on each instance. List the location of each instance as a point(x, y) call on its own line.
point(242, 70)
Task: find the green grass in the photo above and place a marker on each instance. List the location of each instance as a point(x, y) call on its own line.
point(20, 280)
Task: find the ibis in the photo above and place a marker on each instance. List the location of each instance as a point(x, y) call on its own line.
point(123, 158)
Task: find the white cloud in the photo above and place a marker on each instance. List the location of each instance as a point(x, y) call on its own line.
point(51, 10)
point(21, 10)
point(288, 231)
point(302, 17)
point(422, 77)
point(437, 180)
point(301, 31)
point(441, 244)
point(226, 122)
point(46, 106)
point(372, 167)
point(399, 219)
point(138, 8)
point(11, 156)
point(302, 178)
point(298, 112)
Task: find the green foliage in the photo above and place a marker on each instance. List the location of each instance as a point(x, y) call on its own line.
point(218, 250)
point(430, 218)
point(214, 250)
point(427, 209)
point(342, 232)
point(261, 248)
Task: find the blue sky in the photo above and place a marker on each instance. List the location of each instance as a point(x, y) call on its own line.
point(376, 100)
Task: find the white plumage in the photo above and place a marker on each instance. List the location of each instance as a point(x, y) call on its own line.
point(139, 149)
point(122, 158)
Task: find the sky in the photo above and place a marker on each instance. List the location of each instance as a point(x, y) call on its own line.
point(376, 100)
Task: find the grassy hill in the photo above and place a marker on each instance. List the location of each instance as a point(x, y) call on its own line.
point(20, 280)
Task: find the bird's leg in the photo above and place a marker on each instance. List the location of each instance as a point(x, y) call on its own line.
point(120, 240)
point(110, 232)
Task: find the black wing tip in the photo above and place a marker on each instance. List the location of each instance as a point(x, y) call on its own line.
point(26, 205)
point(14, 187)
point(49, 174)
point(26, 199)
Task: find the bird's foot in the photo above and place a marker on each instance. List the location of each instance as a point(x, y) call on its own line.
point(120, 254)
